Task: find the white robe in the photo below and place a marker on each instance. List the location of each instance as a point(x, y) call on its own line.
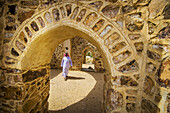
point(66, 62)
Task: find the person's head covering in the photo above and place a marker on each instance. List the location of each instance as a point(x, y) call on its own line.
point(66, 54)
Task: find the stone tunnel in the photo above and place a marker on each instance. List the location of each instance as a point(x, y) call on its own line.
point(132, 37)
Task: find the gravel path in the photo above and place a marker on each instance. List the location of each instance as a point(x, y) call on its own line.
point(81, 93)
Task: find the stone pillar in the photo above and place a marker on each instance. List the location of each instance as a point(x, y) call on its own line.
point(24, 91)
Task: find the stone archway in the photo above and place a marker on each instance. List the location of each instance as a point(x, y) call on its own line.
point(122, 45)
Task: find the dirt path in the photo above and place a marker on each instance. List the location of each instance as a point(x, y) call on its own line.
point(81, 93)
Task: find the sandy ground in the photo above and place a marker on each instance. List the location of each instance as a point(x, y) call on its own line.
point(81, 93)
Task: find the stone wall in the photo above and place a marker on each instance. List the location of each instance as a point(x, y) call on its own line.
point(79, 46)
point(57, 57)
point(133, 34)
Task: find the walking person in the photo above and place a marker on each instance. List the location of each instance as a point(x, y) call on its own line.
point(65, 65)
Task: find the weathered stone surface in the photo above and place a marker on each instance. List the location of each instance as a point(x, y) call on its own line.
point(28, 32)
point(166, 12)
point(149, 107)
point(128, 81)
point(136, 76)
point(134, 36)
point(117, 47)
point(114, 99)
point(2, 77)
point(14, 52)
point(164, 33)
point(31, 104)
point(155, 7)
point(163, 72)
point(68, 8)
point(129, 67)
point(24, 14)
point(12, 9)
point(10, 19)
point(153, 55)
point(12, 1)
point(81, 15)
point(30, 4)
point(98, 25)
point(32, 75)
point(134, 22)
point(56, 15)
point(110, 11)
point(11, 27)
point(12, 92)
point(48, 17)
point(34, 26)
point(121, 57)
point(8, 35)
point(139, 46)
point(41, 21)
point(113, 1)
point(90, 19)
point(148, 86)
point(63, 12)
point(96, 4)
point(131, 98)
point(111, 39)
point(74, 13)
point(130, 107)
point(23, 38)
point(128, 8)
point(106, 30)
point(157, 98)
point(150, 67)
point(20, 46)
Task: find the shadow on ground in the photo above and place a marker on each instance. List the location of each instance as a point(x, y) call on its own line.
point(92, 103)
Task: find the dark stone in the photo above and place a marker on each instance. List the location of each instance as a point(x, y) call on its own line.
point(31, 104)
point(148, 86)
point(166, 12)
point(2, 77)
point(129, 67)
point(158, 98)
point(149, 106)
point(63, 12)
point(110, 11)
point(153, 55)
point(28, 31)
point(34, 26)
point(130, 107)
point(11, 28)
point(114, 99)
point(68, 8)
point(14, 52)
point(12, 1)
point(113, 1)
point(3, 110)
point(96, 4)
point(74, 13)
point(17, 78)
point(164, 33)
point(32, 75)
point(12, 92)
point(23, 15)
point(168, 108)
point(31, 4)
point(10, 19)
point(128, 81)
point(131, 98)
point(12, 9)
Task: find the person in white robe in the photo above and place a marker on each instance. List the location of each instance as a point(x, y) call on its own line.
point(65, 65)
